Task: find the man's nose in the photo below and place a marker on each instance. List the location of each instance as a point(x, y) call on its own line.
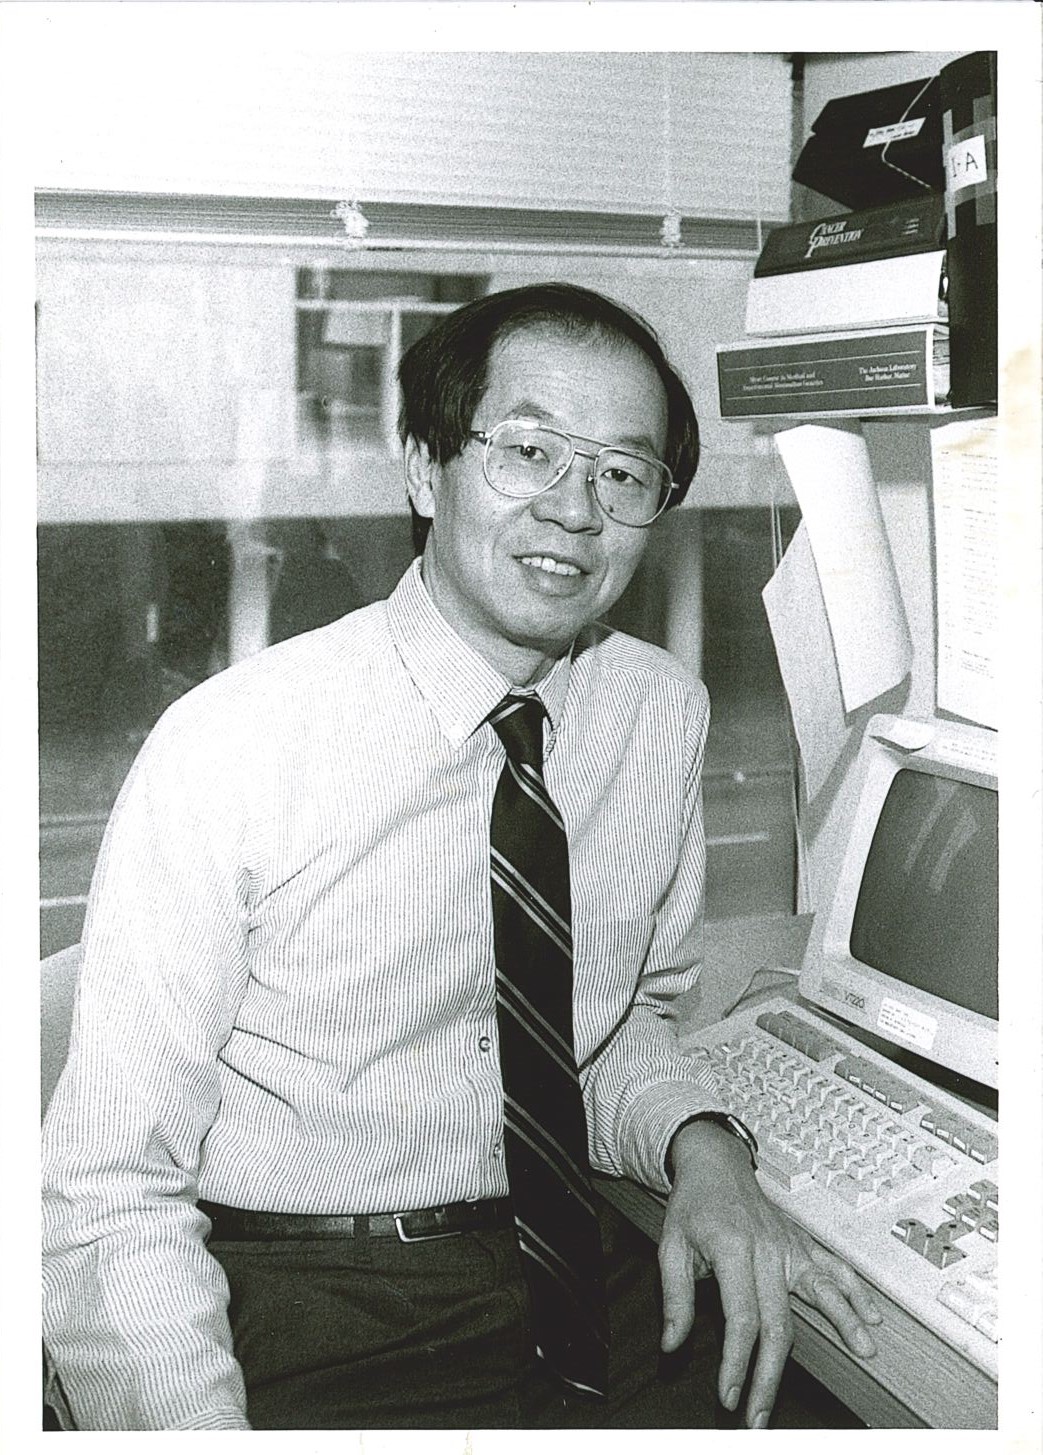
point(571, 502)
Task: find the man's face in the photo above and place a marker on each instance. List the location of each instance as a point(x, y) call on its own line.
point(518, 579)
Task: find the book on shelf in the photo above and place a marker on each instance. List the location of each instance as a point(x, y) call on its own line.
point(862, 295)
point(882, 266)
point(859, 372)
point(916, 225)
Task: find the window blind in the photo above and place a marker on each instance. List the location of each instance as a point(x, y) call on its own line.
point(199, 103)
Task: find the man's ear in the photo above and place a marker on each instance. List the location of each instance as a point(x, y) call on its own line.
point(422, 477)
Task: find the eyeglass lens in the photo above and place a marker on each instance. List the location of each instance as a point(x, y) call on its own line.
point(524, 459)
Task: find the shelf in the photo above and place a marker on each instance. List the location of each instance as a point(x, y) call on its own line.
point(929, 414)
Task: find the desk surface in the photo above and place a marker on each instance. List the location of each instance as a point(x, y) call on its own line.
point(915, 1380)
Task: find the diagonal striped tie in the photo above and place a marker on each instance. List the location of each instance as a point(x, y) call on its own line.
point(545, 1129)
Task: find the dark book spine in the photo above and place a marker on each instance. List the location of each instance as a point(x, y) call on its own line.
point(968, 102)
point(913, 226)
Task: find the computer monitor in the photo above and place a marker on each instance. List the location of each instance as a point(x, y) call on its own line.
point(907, 947)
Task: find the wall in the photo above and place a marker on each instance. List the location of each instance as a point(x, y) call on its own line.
point(828, 75)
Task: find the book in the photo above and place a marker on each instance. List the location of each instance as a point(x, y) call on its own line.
point(896, 230)
point(968, 101)
point(879, 266)
point(861, 373)
point(861, 295)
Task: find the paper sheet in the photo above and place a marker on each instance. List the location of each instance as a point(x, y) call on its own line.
point(804, 647)
point(833, 482)
point(966, 530)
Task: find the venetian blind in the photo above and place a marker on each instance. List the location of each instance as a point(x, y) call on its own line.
point(198, 103)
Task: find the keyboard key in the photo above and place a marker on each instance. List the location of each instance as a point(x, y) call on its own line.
point(941, 1249)
point(912, 1233)
point(965, 1209)
point(988, 1192)
point(909, 1179)
point(984, 1281)
point(783, 1168)
point(857, 1194)
point(961, 1300)
point(973, 1296)
point(931, 1159)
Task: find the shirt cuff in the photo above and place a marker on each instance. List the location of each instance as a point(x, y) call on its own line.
point(653, 1118)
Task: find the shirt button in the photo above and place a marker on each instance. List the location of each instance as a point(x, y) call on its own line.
point(484, 1043)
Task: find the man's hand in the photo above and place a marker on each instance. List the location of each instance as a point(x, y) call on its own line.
point(718, 1219)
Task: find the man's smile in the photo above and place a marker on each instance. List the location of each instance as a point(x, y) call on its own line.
point(553, 565)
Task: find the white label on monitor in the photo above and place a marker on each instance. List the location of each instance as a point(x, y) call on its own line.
point(912, 1026)
point(898, 131)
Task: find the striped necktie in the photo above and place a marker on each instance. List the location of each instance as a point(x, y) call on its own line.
point(545, 1129)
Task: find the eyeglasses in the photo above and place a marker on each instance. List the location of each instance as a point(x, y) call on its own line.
point(523, 459)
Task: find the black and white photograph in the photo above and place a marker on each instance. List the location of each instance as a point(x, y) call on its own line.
point(521, 534)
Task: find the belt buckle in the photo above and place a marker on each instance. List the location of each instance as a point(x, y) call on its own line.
point(405, 1237)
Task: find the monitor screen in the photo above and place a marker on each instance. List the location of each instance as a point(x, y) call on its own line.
point(904, 943)
point(926, 912)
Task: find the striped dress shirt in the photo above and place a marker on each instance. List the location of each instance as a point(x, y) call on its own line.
point(287, 992)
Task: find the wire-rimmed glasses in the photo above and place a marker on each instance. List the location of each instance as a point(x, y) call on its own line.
point(523, 458)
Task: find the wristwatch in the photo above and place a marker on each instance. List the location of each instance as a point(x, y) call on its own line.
point(728, 1123)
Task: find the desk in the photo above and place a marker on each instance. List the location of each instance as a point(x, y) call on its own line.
point(915, 1380)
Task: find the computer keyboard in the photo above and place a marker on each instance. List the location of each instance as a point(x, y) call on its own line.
point(897, 1177)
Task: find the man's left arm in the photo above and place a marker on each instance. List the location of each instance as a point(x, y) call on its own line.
point(642, 1092)
point(639, 1086)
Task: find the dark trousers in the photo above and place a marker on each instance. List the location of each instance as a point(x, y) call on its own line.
point(370, 1333)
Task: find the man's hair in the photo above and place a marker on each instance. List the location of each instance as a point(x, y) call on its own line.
point(445, 374)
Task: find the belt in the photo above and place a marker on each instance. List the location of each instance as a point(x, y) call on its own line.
point(447, 1221)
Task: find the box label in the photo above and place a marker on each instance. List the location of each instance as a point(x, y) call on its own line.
point(879, 136)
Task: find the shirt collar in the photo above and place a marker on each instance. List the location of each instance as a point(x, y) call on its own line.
point(455, 681)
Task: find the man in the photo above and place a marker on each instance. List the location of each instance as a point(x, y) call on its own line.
point(304, 1004)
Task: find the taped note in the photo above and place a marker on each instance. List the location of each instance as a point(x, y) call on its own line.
point(831, 476)
point(966, 164)
point(901, 1022)
point(804, 647)
point(966, 532)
